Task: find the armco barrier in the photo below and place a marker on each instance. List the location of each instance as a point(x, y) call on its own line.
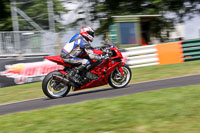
point(141, 56)
point(191, 49)
point(165, 53)
point(159, 54)
point(169, 53)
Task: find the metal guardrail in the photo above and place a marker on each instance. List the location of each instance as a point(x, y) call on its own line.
point(141, 56)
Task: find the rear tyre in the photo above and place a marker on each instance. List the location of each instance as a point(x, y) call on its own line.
point(52, 88)
point(115, 79)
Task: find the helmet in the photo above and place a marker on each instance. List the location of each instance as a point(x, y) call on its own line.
point(87, 33)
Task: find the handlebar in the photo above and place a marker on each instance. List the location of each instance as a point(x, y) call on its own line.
point(106, 51)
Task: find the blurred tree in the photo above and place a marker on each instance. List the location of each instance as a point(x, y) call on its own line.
point(5, 19)
point(173, 11)
point(36, 9)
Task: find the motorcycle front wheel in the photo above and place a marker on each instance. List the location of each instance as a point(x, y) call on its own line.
point(116, 80)
point(53, 88)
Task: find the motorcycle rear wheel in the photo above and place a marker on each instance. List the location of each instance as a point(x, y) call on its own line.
point(115, 79)
point(52, 88)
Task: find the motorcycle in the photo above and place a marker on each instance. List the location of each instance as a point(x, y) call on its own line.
point(112, 71)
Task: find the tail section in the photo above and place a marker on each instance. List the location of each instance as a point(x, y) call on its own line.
point(57, 59)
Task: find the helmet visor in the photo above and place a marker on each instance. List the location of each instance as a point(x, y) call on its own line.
point(90, 33)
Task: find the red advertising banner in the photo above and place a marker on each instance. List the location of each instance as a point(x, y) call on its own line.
point(25, 71)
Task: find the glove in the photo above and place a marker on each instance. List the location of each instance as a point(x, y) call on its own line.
point(105, 57)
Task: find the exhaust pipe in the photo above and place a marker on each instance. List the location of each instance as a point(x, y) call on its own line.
point(64, 80)
point(61, 79)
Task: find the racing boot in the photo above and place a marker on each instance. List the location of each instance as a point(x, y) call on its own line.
point(74, 74)
point(81, 67)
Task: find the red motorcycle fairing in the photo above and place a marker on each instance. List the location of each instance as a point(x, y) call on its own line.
point(57, 59)
point(103, 70)
point(118, 53)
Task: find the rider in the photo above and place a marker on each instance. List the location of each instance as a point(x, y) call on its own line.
point(71, 52)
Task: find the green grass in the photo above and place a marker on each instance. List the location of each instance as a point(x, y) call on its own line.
point(165, 71)
point(33, 90)
point(20, 92)
point(174, 110)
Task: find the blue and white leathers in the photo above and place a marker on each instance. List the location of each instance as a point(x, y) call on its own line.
point(76, 46)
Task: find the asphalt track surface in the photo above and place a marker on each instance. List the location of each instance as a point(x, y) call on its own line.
point(99, 94)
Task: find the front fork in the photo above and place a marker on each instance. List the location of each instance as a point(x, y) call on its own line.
point(120, 69)
point(120, 72)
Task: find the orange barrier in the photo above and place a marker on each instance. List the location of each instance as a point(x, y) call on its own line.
point(170, 53)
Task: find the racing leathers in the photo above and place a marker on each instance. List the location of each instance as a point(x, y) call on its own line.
point(71, 53)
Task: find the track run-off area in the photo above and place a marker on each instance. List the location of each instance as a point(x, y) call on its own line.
point(93, 94)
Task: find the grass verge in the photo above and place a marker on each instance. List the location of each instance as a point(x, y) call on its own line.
point(174, 110)
point(33, 90)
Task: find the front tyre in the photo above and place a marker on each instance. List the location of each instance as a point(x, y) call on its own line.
point(53, 88)
point(116, 80)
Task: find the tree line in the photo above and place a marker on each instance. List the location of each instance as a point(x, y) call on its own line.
point(103, 10)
